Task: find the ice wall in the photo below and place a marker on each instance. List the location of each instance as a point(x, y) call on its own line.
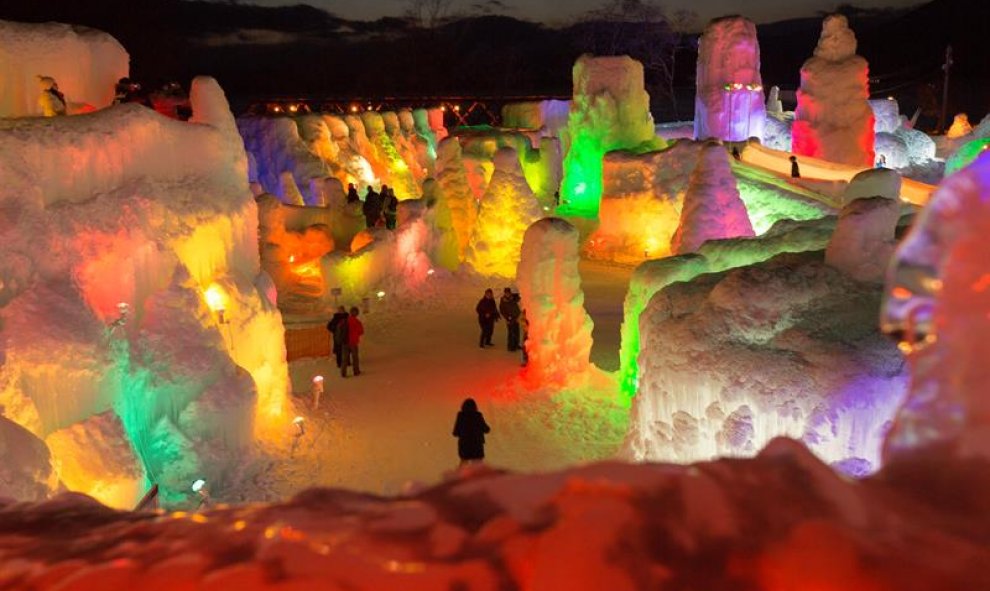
point(788, 347)
point(26, 472)
point(728, 103)
point(833, 120)
point(559, 343)
point(610, 111)
point(507, 210)
point(712, 208)
point(936, 305)
point(127, 206)
point(85, 62)
point(654, 275)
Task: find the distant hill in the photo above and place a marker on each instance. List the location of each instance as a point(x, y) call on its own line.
point(301, 50)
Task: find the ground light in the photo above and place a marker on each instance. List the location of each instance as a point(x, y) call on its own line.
point(199, 487)
point(216, 300)
point(317, 392)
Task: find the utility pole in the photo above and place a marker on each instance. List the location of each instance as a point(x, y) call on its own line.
point(945, 89)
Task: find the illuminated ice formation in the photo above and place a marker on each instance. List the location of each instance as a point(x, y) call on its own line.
point(559, 343)
point(85, 62)
point(610, 111)
point(713, 257)
point(712, 208)
point(278, 150)
point(833, 120)
point(864, 239)
point(456, 193)
point(960, 127)
point(644, 194)
point(728, 103)
point(507, 210)
point(549, 117)
point(127, 206)
point(936, 305)
point(775, 107)
point(728, 361)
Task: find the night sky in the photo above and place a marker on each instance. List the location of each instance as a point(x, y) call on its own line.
point(557, 11)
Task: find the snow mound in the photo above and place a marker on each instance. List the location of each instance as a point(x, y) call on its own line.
point(780, 521)
point(85, 63)
point(712, 208)
point(864, 238)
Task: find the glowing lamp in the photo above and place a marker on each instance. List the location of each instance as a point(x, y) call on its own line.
point(277, 109)
point(580, 188)
point(300, 424)
point(317, 393)
point(457, 108)
point(293, 108)
point(430, 271)
point(545, 208)
point(216, 300)
point(380, 294)
point(198, 485)
point(354, 108)
point(123, 308)
point(443, 109)
point(292, 258)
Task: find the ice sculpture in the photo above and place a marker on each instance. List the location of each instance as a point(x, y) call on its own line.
point(456, 193)
point(864, 239)
point(833, 120)
point(559, 343)
point(730, 360)
point(610, 111)
point(728, 103)
point(86, 63)
point(960, 127)
point(712, 208)
point(128, 287)
point(936, 306)
point(507, 210)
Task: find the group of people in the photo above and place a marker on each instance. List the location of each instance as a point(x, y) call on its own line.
point(517, 326)
point(380, 209)
point(346, 331)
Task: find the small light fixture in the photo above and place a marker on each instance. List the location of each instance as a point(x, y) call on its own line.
point(430, 272)
point(317, 392)
point(300, 424)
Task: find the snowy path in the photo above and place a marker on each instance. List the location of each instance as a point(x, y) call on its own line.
point(391, 425)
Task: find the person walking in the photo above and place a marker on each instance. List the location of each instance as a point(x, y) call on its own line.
point(350, 350)
point(470, 429)
point(795, 169)
point(508, 307)
point(487, 311)
point(338, 332)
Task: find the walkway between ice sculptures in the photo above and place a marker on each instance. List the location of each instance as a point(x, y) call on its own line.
point(392, 425)
point(912, 191)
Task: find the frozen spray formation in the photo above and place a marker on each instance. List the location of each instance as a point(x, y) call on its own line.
point(833, 120)
point(712, 208)
point(610, 111)
point(728, 103)
point(507, 209)
point(559, 343)
point(85, 63)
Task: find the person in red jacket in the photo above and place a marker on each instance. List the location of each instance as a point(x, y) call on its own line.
point(354, 331)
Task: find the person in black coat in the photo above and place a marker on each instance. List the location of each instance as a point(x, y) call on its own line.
point(372, 207)
point(391, 208)
point(469, 429)
point(338, 331)
point(352, 194)
point(487, 311)
point(795, 168)
point(508, 307)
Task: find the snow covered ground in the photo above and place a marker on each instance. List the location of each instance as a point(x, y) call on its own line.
point(392, 425)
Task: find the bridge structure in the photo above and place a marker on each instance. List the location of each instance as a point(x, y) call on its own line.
point(458, 111)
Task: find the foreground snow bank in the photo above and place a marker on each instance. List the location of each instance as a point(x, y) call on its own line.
point(780, 521)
